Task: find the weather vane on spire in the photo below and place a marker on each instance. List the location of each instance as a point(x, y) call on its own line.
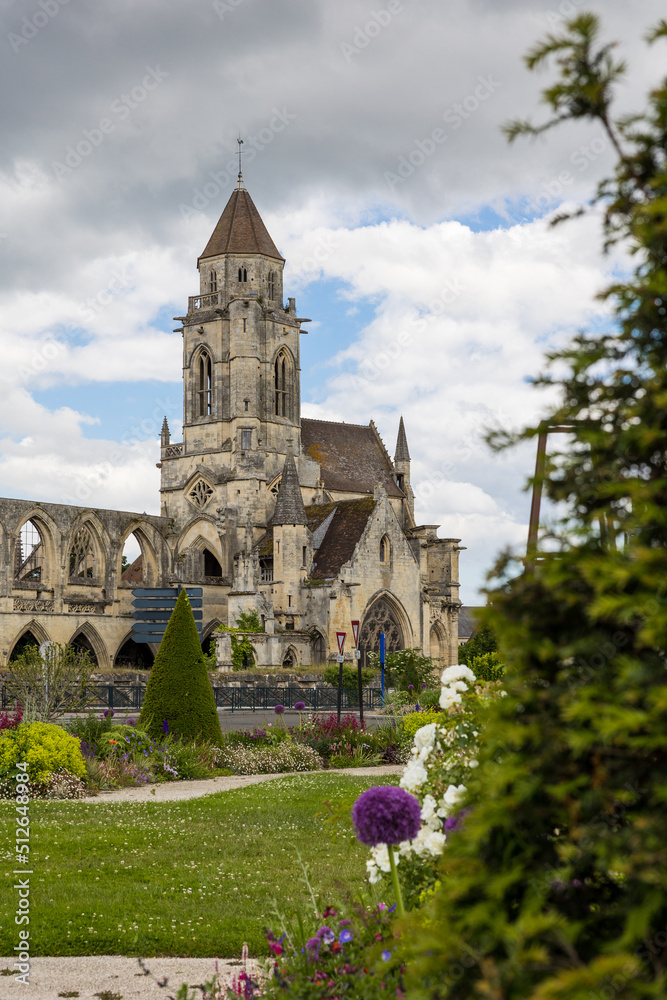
point(240, 177)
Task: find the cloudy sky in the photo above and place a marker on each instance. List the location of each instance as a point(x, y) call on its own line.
point(416, 238)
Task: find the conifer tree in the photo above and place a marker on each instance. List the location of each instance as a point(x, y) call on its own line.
point(179, 697)
point(555, 886)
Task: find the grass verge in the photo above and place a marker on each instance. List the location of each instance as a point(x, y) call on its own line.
point(194, 878)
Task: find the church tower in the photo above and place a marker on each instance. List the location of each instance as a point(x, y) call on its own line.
point(241, 379)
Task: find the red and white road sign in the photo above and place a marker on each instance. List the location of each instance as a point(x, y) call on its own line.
point(355, 632)
point(340, 639)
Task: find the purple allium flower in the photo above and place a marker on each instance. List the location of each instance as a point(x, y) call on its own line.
point(300, 705)
point(345, 936)
point(313, 944)
point(131, 722)
point(165, 726)
point(455, 822)
point(423, 685)
point(279, 709)
point(109, 711)
point(386, 815)
point(411, 687)
point(326, 934)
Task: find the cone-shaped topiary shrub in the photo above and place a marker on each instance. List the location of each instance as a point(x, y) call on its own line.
point(179, 691)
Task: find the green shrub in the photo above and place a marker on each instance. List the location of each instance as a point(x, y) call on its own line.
point(409, 724)
point(482, 641)
point(90, 729)
point(487, 667)
point(405, 667)
point(243, 657)
point(350, 677)
point(44, 747)
point(179, 691)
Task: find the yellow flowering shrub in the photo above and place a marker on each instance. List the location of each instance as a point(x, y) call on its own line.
point(43, 747)
point(409, 724)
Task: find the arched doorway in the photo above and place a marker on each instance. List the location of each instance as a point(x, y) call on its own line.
point(380, 617)
point(81, 641)
point(22, 643)
point(134, 656)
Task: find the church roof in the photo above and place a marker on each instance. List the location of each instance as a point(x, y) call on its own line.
point(468, 620)
point(402, 452)
point(344, 530)
point(240, 230)
point(336, 529)
point(352, 457)
point(289, 503)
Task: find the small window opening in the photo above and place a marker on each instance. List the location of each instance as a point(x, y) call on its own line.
point(384, 549)
point(246, 439)
point(399, 480)
point(304, 555)
point(204, 384)
point(272, 284)
point(246, 402)
point(244, 325)
point(243, 274)
point(213, 281)
point(211, 565)
point(289, 600)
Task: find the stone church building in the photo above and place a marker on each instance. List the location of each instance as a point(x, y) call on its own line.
point(308, 522)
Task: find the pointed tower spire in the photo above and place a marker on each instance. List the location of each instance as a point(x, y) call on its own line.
point(165, 434)
point(289, 505)
point(402, 453)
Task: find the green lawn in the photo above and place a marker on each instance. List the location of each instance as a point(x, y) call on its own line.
point(176, 878)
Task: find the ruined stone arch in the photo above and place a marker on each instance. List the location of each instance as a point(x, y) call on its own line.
point(32, 629)
point(384, 613)
point(438, 644)
point(209, 635)
point(290, 658)
point(46, 560)
point(89, 638)
point(199, 553)
point(318, 646)
point(87, 543)
point(134, 655)
point(149, 559)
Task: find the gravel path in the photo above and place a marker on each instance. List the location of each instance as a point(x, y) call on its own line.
point(86, 977)
point(173, 791)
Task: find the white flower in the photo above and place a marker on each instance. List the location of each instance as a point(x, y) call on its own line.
point(457, 672)
point(380, 856)
point(429, 806)
point(435, 843)
point(425, 737)
point(453, 795)
point(449, 698)
point(473, 763)
point(414, 776)
point(374, 874)
point(458, 686)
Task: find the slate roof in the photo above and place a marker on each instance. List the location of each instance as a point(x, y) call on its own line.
point(347, 520)
point(467, 621)
point(289, 502)
point(352, 457)
point(240, 230)
point(350, 517)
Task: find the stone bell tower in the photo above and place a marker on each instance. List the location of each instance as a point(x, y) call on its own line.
point(241, 377)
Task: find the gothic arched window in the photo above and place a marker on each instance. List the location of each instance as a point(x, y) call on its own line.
point(82, 561)
point(282, 381)
point(212, 281)
point(272, 285)
point(29, 553)
point(385, 550)
point(243, 274)
point(204, 384)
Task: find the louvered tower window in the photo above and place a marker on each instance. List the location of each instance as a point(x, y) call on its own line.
point(204, 384)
